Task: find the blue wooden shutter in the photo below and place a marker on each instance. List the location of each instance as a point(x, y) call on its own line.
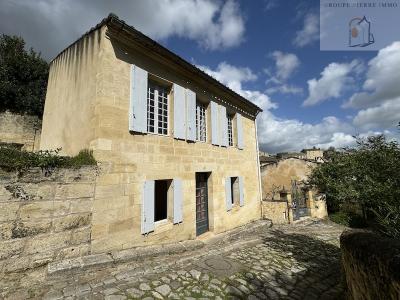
point(148, 207)
point(138, 100)
point(179, 112)
point(178, 201)
point(240, 142)
point(214, 124)
point(241, 192)
point(223, 125)
point(191, 115)
point(228, 193)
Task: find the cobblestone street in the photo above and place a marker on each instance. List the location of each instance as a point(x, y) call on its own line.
point(301, 261)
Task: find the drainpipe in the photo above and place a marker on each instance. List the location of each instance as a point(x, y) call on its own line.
point(258, 166)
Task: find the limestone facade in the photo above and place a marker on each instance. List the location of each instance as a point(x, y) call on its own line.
point(21, 130)
point(88, 105)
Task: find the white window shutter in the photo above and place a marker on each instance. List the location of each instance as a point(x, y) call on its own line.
point(179, 112)
point(138, 100)
point(223, 125)
point(148, 207)
point(228, 193)
point(178, 201)
point(214, 124)
point(241, 192)
point(240, 142)
point(191, 115)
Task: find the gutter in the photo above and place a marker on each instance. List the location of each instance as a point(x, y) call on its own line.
point(258, 164)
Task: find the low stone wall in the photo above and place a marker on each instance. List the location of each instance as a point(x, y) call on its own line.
point(276, 211)
point(319, 209)
point(371, 265)
point(45, 218)
point(21, 130)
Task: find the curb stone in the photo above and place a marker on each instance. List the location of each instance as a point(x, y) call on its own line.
point(139, 253)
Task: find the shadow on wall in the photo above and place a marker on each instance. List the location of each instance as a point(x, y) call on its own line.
point(296, 266)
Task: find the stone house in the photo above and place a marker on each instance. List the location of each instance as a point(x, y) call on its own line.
point(178, 150)
point(314, 154)
point(285, 198)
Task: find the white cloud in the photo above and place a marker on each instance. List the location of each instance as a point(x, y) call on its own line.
point(383, 79)
point(277, 134)
point(386, 115)
point(286, 64)
point(284, 89)
point(334, 80)
point(380, 99)
point(309, 33)
point(49, 25)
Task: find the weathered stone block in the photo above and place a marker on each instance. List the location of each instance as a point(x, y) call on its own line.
point(11, 248)
point(81, 205)
point(109, 191)
point(81, 236)
point(5, 231)
point(74, 191)
point(47, 242)
point(25, 262)
point(8, 211)
point(72, 222)
point(73, 251)
point(29, 228)
point(82, 175)
point(42, 209)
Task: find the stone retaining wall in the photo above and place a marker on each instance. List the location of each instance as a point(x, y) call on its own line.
point(276, 211)
point(371, 264)
point(45, 218)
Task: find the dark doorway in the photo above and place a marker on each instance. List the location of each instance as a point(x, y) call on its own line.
point(201, 203)
point(161, 200)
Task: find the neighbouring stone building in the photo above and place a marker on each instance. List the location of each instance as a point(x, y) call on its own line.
point(181, 148)
point(313, 154)
point(285, 198)
point(20, 131)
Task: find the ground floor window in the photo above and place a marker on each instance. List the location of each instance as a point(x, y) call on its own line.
point(161, 195)
point(235, 194)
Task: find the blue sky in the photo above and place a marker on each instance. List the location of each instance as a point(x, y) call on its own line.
point(268, 51)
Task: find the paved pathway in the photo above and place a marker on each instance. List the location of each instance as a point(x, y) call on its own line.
point(282, 262)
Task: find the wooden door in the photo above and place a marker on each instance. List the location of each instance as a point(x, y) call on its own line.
point(201, 203)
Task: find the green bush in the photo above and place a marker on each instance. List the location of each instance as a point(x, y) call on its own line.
point(12, 159)
point(364, 179)
point(348, 219)
point(388, 219)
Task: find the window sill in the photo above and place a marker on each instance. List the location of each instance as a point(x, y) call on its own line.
point(162, 226)
point(158, 134)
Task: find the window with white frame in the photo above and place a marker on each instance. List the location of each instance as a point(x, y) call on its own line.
point(201, 129)
point(230, 130)
point(157, 108)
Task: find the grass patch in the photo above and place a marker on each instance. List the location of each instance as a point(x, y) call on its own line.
point(12, 159)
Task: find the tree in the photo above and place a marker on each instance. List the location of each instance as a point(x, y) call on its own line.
point(23, 77)
point(367, 178)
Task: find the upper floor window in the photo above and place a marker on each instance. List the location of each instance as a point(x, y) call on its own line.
point(157, 108)
point(230, 130)
point(201, 129)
